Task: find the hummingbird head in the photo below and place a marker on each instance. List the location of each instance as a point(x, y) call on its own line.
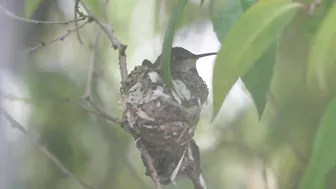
point(184, 60)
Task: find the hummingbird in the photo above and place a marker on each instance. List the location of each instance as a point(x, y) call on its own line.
point(182, 60)
point(183, 64)
point(165, 119)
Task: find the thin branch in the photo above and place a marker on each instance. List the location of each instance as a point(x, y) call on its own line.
point(150, 164)
point(123, 67)
point(67, 100)
point(60, 38)
point(103, 113)
point(14, 16)
point(43, 149)
point(116, 43)
point(15, 98)
point(76, 11)
point(311, 7)
point(98, 112)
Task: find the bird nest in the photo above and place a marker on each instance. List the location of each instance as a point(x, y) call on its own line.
point(165, 119)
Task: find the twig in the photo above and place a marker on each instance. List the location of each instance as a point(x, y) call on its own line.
point(67, 100)
point(123, 67)
point(76, 11)
point(60, 38)
point(43, 149)
point(99, 113)
point(14, 16)
point(116, 43)
point(311, 7)
point(15, 98)
point(150, 164)
point(103, 113)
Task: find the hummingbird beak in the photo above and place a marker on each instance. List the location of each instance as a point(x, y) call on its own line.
point(197, 56)
point(191, 62)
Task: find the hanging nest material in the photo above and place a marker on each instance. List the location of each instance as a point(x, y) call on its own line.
point(165, 120)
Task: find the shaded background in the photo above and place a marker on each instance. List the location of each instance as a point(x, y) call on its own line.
point(97, 151)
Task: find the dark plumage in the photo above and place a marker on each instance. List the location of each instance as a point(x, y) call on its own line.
point(165, 120)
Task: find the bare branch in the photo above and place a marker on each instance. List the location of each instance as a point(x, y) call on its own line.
point(43, 149)
point(76, 11)
point(116, 43)
point(150, 165)
point(311, 7)
point(98, 111)
point(67, 100)
point(15, 98)
point(14, 16)
point(123, 67)
point(60, 38)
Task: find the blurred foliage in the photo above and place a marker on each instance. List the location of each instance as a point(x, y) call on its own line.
point(168, 42)
point(321, 69)
point(257, 79)
point(283, 55)
point(225, 14)
point(323, 157)
point(192, 12)
point(253, 34)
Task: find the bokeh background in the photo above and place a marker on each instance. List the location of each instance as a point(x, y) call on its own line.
point(100, 152)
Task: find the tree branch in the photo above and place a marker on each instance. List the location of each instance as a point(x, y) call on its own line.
point(43, 149)
point(105, 115)
point(76, 11)
point(60, 38)
point(14, 16)
point(149, 162)
point(116, 43)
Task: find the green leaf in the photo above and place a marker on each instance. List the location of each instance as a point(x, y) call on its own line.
point(224, 16)
point(323, 157)
point(245, 4)
point(314, 22)
point(254, 33)
point(168, 42)
point(322, 59)
point(31, 5)
point(258, 79)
